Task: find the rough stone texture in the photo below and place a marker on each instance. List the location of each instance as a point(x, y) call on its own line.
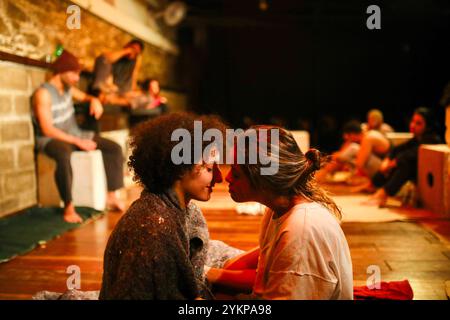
point(15, 131)
point(8, 205)
point(13, 78)
point(37, 77)
point(26, 156)
point(5, 105)
point(17, 165)
point(6, 159)
point(2, 193)
point(19, 182)
point(28, 199)
point(22, 105)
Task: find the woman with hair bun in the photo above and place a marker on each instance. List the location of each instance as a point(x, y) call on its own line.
point(303, 252)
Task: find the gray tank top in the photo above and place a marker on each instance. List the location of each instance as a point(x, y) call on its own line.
point(63, 116)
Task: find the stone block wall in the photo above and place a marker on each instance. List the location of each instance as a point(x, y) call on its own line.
point(17, 166)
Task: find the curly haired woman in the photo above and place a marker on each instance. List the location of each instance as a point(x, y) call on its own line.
point(152, 253)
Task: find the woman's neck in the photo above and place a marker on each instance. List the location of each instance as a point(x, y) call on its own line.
point(183, 199)
point(282, 204)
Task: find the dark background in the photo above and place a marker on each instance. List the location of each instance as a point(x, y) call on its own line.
point(313, 64)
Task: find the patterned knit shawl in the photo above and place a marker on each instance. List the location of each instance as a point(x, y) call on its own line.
point(151, 253)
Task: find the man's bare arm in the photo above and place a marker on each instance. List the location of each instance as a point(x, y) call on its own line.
point(113, 56)
point(42, 110)
point(95, 106)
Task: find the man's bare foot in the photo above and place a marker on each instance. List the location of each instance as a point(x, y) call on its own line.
point(113, 203)
point(70, 215)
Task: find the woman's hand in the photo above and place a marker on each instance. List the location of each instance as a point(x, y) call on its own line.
point(387, 165)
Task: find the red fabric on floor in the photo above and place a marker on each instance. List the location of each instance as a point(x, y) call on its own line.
point(394, 290)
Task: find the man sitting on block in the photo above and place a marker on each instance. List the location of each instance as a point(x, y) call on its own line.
point(58, 135)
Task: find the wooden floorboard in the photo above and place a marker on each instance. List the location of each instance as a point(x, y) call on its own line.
point(402, 250)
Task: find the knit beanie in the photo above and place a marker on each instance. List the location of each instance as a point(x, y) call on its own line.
point(66, 62)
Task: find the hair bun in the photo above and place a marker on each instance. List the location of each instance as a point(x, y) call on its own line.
point(313, 156)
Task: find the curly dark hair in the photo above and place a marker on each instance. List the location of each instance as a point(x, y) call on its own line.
point(151, 148)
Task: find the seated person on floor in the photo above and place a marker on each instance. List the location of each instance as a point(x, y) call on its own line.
point(401, 164)
point(116, 74)
point(150, 98)
point(374, 146)
point(375, 121)
point(445, 103)
point(303, 252)
point(158, 250)
point(58, 135)
point(346, 158)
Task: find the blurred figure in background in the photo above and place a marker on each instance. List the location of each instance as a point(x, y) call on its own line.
point(346, 158)
point(148, 104)
point(150, 97)
point(445, 102)
point(375, 121)
point(401, 164)
point(116, 73)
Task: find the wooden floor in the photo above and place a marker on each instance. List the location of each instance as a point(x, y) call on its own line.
point(417, 251)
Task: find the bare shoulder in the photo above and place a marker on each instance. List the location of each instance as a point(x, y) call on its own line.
point(41, 93)
point(374, 135)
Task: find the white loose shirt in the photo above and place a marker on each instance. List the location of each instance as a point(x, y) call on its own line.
point(303, 255)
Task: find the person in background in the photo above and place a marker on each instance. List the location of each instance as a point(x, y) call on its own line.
point(58, 135)
point(401, 164)
point(375, 121)
point(150, 98)
point(154, 92)
point(374, 146)
point(149, 103)
point(445, 103)
point(346, 158)
point(116, 74)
